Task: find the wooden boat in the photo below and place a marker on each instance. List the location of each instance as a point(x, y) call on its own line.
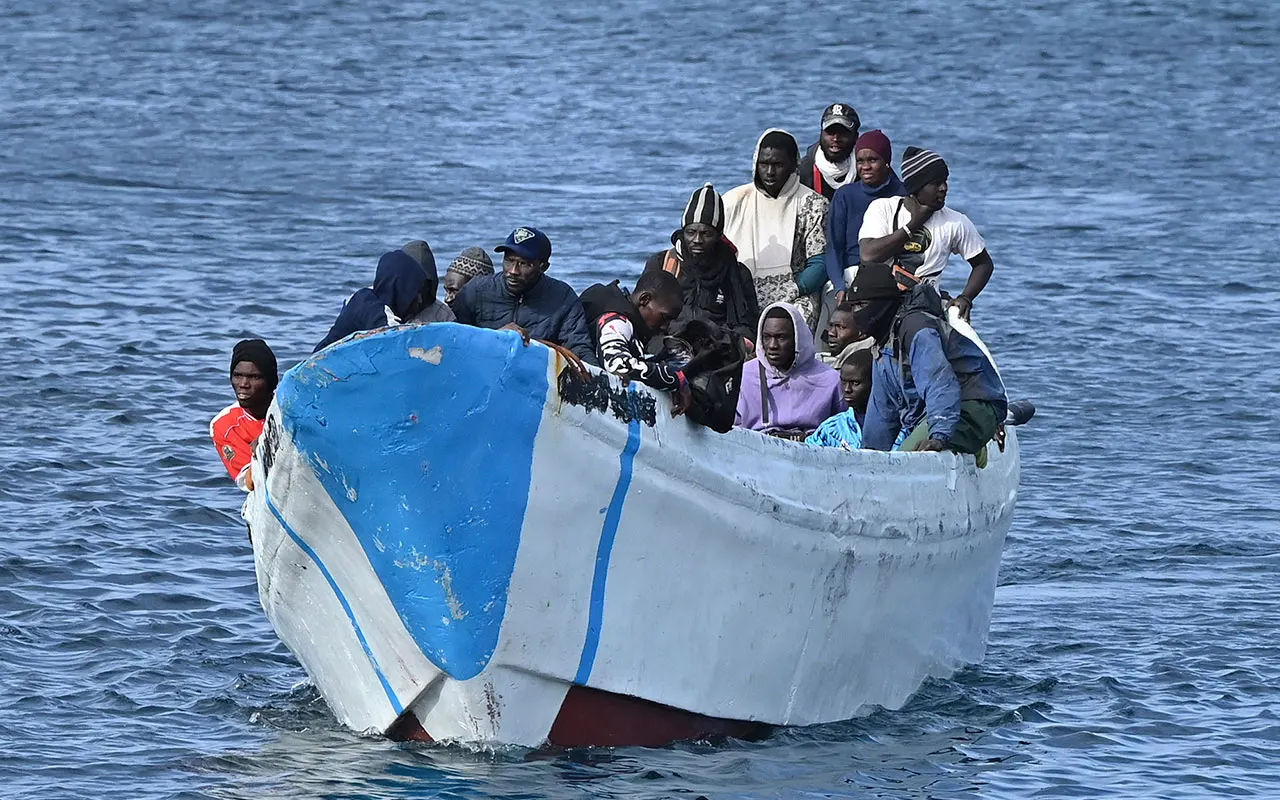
point(461, 540)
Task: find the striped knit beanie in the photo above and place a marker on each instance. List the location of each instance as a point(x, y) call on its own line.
point(472, 262)
point(704, 206)
point(921, 167)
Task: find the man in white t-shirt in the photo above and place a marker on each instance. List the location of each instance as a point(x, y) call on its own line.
point(919, 233)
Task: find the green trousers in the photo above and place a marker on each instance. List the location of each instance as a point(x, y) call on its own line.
point(978, 422)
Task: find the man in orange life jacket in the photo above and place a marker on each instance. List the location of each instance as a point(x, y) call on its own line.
point(829, 164)
point(236, 427)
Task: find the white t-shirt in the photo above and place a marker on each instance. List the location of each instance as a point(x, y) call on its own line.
point(944, 233)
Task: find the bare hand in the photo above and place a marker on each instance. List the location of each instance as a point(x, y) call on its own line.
point(965, 305)
point(840, 297)
point(511, 326)
point(933, 446)
point(681, 400)
point(919, 216)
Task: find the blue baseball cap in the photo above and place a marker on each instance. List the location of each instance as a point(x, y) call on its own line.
point(528, 243)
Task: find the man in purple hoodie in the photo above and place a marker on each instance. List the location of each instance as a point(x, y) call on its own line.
point(786, 391)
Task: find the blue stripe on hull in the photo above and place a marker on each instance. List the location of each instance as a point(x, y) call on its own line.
point(342, 599)
point(424, 437)
point(612, 517)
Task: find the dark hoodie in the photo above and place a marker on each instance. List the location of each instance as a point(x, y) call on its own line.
point(434, 310)
point(718, 285)
point(396, 295)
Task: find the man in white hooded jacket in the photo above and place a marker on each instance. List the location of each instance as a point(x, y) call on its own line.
point(779, 227)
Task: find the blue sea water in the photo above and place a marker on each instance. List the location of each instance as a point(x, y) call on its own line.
point(175, 176)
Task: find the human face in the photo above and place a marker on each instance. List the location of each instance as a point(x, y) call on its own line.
point(658, 312)
point(837, 142)
point(453, 283)
point(855, 385)
point(773, 167)
point(520, 274)
point(841, 331)
point(778, 340)
point(699, 238)
point(932, 195)
point(250, 385)
point(873, 170)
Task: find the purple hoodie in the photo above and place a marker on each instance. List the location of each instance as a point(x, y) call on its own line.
point(802, 397)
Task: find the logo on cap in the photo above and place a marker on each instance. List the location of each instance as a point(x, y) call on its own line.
point(837, 110)
point(522, 235)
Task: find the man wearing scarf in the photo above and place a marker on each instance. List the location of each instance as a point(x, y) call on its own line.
point(780, 228)
point(928, 379)
point(919, 233)
point(712, 281)
point(829, 163)
point(234, 430)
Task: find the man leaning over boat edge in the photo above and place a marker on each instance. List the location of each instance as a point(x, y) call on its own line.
point(523, 298)
point(928, 379)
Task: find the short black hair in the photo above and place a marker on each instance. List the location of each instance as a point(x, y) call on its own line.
point(844, 308)
point(860, 359)
point(778, 312)
point(660, 283)
point(781, 141)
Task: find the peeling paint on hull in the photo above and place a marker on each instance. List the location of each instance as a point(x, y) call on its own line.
point(748, 582)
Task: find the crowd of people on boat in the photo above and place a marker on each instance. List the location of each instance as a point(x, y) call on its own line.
point(804, 304)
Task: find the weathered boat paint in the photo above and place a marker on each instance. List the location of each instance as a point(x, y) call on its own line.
point(462, 541)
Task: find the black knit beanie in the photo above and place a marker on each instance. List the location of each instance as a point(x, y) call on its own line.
point(256, 352)
point(921, 167)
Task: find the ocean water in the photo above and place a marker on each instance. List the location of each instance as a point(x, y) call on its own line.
point(176, 176)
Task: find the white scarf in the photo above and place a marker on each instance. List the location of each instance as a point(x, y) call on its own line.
point(835, 174)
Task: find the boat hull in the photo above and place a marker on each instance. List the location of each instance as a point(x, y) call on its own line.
point(461, 541)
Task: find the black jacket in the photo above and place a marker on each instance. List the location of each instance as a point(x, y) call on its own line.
point(721, 288)
point(549, 310)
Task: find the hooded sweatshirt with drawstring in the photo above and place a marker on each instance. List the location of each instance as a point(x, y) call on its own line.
point(798, 398)
point(397, 289)
point(782, 240)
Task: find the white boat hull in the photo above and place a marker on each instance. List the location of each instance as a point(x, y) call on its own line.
point(456, 550)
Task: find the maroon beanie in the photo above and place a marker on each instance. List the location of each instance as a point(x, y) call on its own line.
point(877, 141)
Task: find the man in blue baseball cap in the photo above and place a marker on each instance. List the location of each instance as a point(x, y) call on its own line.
point(525, 299)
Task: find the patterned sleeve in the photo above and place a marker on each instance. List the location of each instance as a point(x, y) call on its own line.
point(618, 355)
point(813, 215)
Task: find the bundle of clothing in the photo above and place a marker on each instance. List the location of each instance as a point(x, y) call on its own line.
point(711, 358)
